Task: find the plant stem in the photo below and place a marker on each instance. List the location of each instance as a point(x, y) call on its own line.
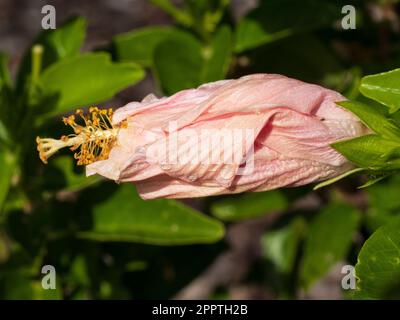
point(37, 54)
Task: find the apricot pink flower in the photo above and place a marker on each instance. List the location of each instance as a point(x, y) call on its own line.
point(280, 128)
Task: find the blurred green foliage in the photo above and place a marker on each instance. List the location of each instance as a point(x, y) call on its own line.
point(106, 243)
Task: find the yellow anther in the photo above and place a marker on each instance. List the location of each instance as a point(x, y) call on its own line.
point(94, 140)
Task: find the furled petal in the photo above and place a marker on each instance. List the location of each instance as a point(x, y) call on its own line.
point(255, 133)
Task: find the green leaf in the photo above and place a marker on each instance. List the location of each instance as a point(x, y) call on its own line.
point(373, 118)
point(181, 62)
point(60, 43)
point(378, 266)
point(251, 34)
point(269, 22)
point(178, 63)
point(280, 246)
point(138, 45)
point(250, 205)
point(126, 217)
point(384, 88)
point(78, 274)
point(67, 40)
point(328, 240)
point(8, 166)
point(218, 56)
point(87, 79)
point(370, 151)
point(386, 195)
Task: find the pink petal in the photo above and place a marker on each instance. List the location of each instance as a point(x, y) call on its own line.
point(292, 123)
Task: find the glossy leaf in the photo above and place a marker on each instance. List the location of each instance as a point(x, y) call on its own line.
point(250, 205)
point(373, 118)
point(163, 222)
point(384, 88)
point(328, 240)
point(378, 266)
point(87, 79)
point(369, 151)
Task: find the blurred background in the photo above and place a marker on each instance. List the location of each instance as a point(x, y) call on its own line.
point(102, 239)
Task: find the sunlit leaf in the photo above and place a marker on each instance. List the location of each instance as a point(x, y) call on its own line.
point(370, 151)
point(384, 88)
point(87, 79)
point(63, 42)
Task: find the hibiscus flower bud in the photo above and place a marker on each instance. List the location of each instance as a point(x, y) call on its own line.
point(256, 133)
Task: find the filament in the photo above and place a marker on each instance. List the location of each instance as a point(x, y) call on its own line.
point(91, 141)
